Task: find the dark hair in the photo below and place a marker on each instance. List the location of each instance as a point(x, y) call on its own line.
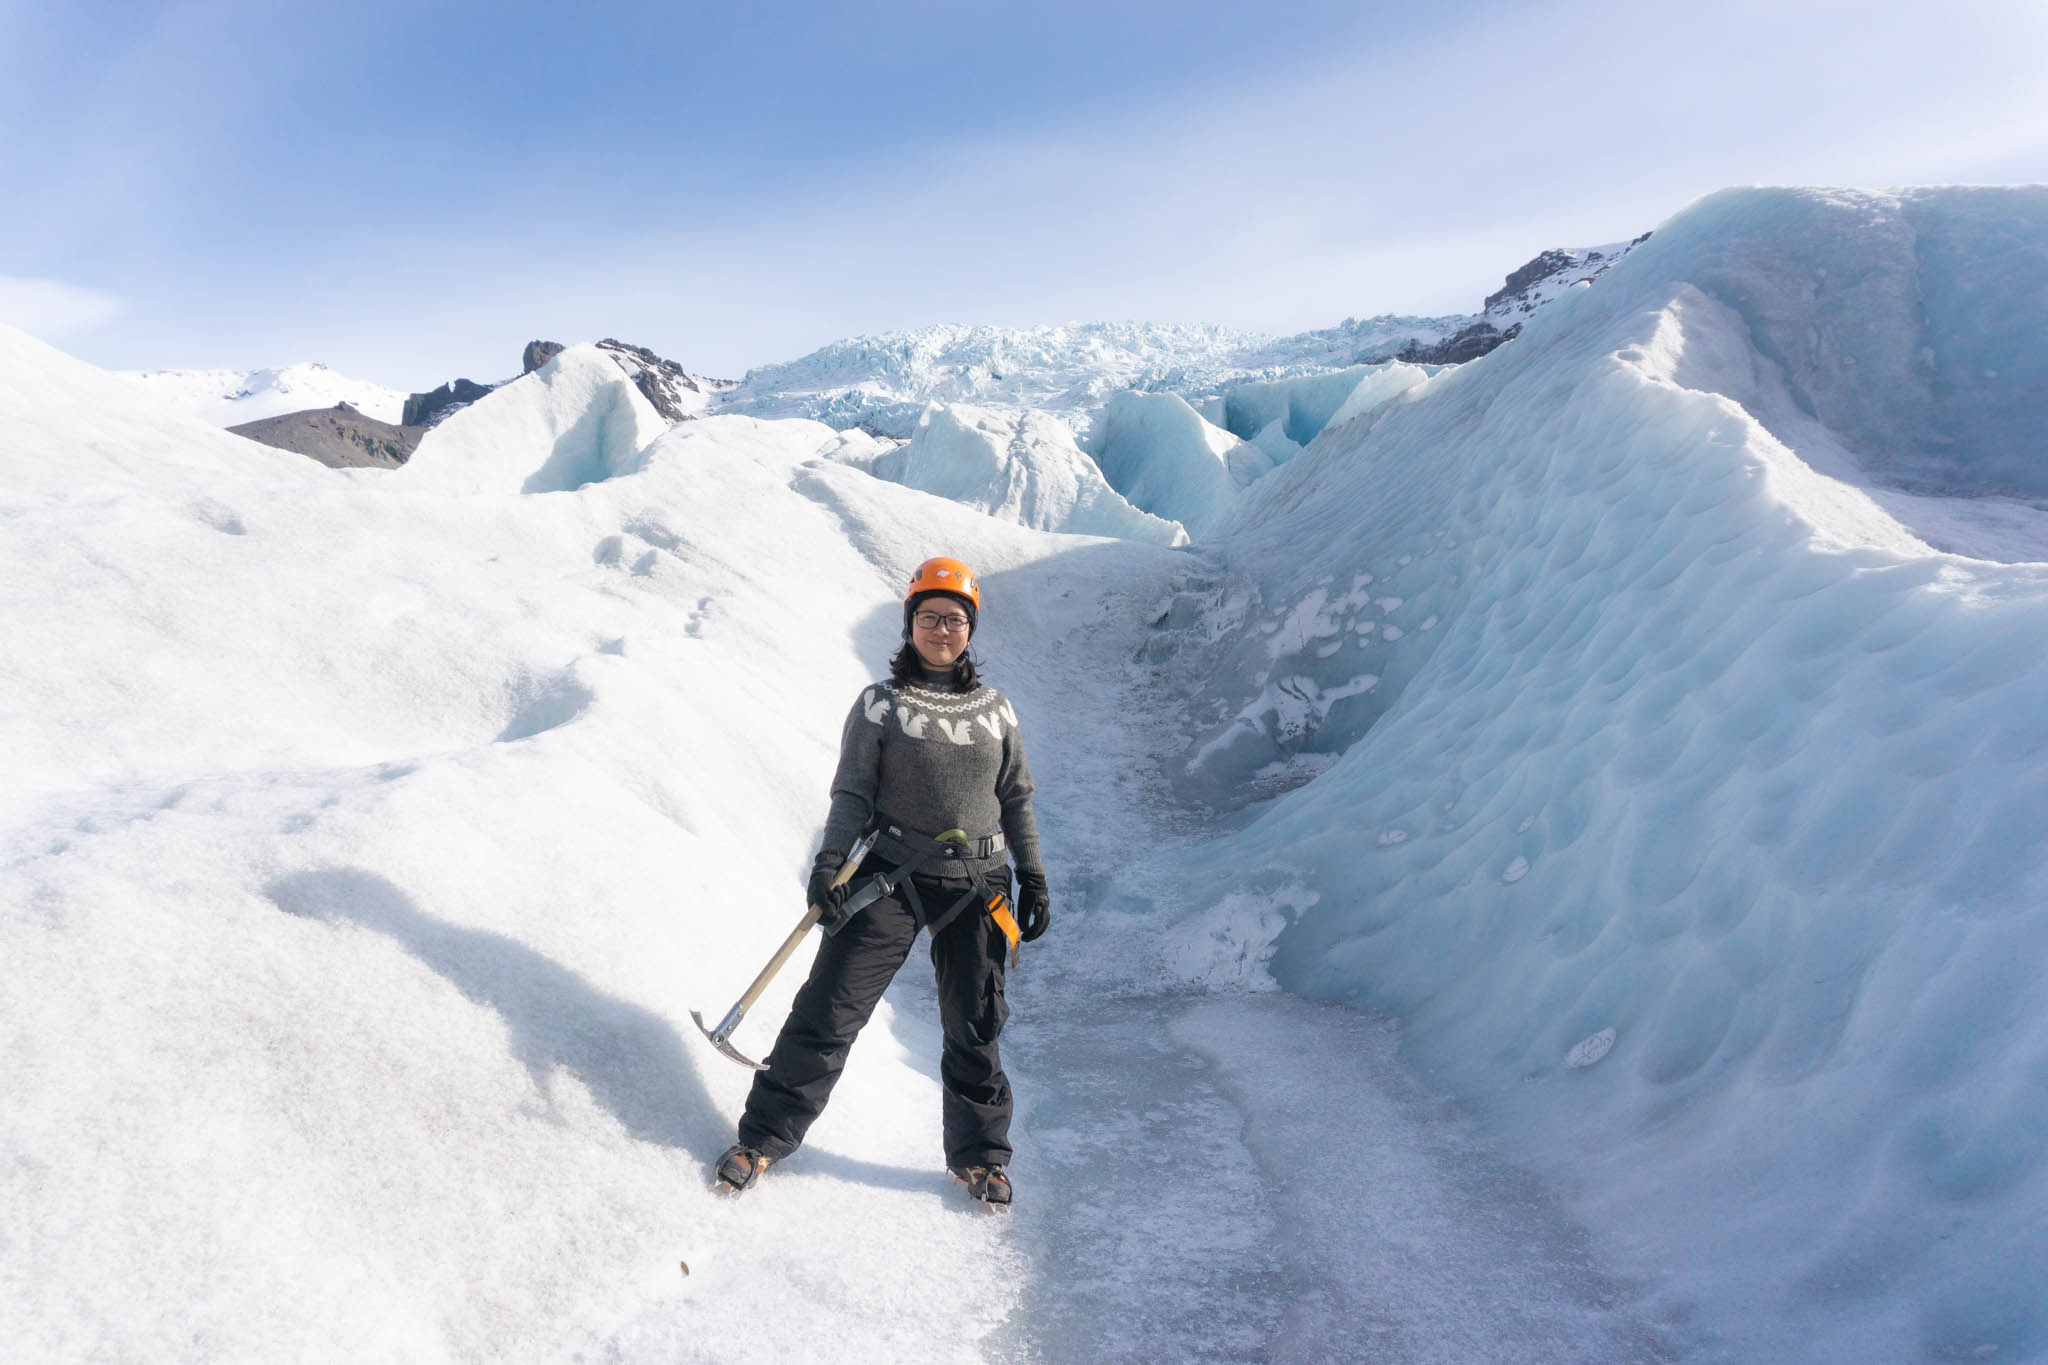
point(908, 667)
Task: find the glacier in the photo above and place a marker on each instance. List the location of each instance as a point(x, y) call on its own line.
point(1648, 735)
point(1551, 866)
point(883, 382)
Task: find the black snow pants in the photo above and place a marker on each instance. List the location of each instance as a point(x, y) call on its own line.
point(852, 969)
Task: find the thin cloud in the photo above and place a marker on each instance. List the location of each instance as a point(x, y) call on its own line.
point(53, 310)
point(1378, 169)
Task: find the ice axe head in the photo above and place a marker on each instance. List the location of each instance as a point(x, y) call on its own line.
point(719, 1036)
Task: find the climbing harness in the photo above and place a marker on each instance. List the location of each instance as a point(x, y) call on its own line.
point(911, 850)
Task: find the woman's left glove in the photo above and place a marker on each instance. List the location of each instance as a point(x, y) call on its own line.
point(1034, 905)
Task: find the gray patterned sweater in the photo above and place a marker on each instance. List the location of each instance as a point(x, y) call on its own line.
point(935, 759)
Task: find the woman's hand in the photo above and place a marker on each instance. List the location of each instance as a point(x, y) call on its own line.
point(830, 899)
point(1034, 905)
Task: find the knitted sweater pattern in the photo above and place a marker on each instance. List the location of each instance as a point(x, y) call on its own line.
point(935, 760)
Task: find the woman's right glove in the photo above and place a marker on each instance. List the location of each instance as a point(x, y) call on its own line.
point(830, 899)
point(1034, 905)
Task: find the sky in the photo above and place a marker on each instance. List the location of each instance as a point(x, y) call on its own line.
point(410, 192)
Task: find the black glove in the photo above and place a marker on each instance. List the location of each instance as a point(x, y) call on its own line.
point(1034, 905)
point(830, 899)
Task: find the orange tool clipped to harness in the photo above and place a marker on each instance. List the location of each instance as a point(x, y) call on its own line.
point(999, 911)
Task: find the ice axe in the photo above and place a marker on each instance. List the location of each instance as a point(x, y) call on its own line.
point(721, 1035)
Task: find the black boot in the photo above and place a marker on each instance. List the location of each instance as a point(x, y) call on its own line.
point(739, 1168)
point(988, 1184)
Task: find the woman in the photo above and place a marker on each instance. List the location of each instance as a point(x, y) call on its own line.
point(932, 764)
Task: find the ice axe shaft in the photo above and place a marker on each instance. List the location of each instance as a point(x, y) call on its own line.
point(721, 1035)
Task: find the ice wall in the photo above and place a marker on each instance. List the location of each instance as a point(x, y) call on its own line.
point(1378, 387)
point(1913, 325)
point(1020, 466)
point(1302, 406)
point(1683, 805)
point(1159, 453)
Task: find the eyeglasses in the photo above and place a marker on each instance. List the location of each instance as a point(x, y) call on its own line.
point(931, 620)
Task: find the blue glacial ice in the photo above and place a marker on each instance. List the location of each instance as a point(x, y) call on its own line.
point(1022, 467)
point(1302, 405)
point(1160, 453)
point(1681, 801)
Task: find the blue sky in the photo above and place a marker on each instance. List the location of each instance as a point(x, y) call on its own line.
point(409, 192)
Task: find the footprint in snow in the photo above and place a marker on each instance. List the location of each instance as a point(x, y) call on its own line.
point(1590, 1050)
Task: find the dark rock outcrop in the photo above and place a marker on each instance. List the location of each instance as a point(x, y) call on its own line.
point(674, 392)
point(663, 381)
point(1522, 277)
point(425, 409)
point(1528, 287)
point(1467, 343)
point(338, 437)
point(660, 380)
point(1539, 281)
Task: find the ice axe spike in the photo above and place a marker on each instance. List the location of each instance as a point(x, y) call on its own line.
point(721, 1035)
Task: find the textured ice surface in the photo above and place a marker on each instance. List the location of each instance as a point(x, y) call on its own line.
point(1909, 325)
point(1703, 747)
point(1021, 467)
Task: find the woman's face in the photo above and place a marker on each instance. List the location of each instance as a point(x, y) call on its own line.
point(941, 645)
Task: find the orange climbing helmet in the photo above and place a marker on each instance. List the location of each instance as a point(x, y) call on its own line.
point(944, 575)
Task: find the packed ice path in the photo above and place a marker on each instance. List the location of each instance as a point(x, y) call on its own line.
point(1209, 1169)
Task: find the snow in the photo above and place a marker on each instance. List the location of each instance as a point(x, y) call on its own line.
point(1552, 875)
point(370, 861)
point(579, 414)
point(229, 398)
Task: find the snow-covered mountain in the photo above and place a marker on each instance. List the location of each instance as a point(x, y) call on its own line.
point(1546, 278)
point(1552, 873)
point(229, 398)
